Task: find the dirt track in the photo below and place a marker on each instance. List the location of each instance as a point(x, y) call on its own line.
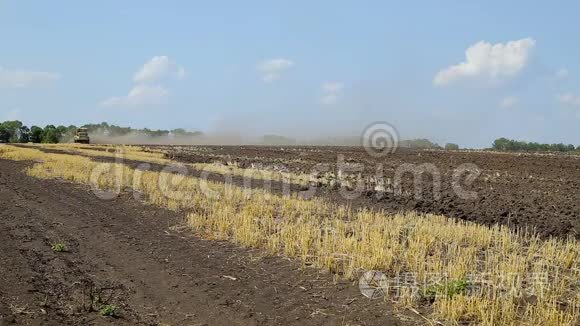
point(143, 260)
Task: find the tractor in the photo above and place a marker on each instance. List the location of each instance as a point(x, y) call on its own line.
point(82, 136)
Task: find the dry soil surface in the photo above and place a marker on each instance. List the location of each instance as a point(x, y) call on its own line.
point(143, 260)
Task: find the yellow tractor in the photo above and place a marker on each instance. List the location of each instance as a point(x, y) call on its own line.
point(82, 136)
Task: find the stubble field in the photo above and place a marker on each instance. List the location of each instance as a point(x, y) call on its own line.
point(483, 238)
point(540, 192)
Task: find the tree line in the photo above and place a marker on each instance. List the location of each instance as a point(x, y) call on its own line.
point(15, 131)
point(510, 145)
point(112, 130)
point(423, 143)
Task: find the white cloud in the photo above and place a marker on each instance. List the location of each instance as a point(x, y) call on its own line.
point(331, 91)
point(562, 73)
point(147, 91)
point(158, 68)
point(491, 62)
point(569, 99)
point(25, 79)
point(508, 102)
point(271, 69)
point(139, 96)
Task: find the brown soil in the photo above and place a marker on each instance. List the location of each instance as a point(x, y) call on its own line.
point(143, 260)
point(523, 191)
point(540, 193)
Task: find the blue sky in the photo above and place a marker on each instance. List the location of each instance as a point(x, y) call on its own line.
point(298, 68)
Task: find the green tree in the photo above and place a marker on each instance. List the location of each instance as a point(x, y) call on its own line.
point(179, 131)
point(61, 129)
point(420, 144)
point(451, 146)
point(24, 134)
point(36, 134)
point(504, 144)
point(11, 131)
point(500, 144)
point(50, 135)
point(4, 134)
